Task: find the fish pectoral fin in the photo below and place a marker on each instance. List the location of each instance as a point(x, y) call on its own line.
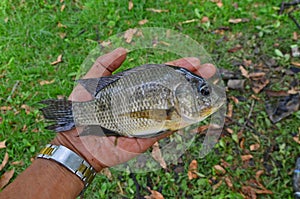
point(98, 131)
point(155, 114)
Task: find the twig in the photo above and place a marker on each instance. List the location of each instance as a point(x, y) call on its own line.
point(249, 114)
point(13, 90)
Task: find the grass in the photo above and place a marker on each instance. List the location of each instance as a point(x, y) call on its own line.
point(30, 39)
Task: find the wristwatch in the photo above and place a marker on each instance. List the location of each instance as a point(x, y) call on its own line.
point(71, 161)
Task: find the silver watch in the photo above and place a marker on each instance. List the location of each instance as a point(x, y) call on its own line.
point(70, 160)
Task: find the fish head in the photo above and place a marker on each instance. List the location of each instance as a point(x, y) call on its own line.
point(197, 98)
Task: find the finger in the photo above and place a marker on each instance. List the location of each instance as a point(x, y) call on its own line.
point(193, 64)
point(106, 64)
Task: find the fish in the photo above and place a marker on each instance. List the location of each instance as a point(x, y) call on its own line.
point(144, 101)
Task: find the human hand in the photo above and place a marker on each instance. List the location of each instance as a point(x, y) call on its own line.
point(101, 151)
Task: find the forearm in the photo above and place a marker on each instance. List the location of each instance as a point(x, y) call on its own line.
point(44, 179)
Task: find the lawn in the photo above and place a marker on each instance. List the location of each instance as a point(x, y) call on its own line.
point(254, 156)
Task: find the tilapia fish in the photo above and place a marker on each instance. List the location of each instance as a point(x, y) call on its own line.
point(141, 102)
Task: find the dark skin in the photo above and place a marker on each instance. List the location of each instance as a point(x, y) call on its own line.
point(47, 179)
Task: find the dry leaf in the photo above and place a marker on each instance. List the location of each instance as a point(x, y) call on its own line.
point(244, 72)
point(193, 167)
point(5, 108)
point(60, 25)
point(229, 130)
point(26, 108)
point(295, 36)
point(204, 19)
point(44, 82)
point(296, 139)
point(156, 10)
point(62, 7)
point(142, 22)
point(296, 64)
point(107, 173)
point(18, 163)
point(220, 169)
point(218, 2)
point(217, 185)
point(228, 182)
point(130, 5)
point(156, 154)
point(242, 143)
point(224, 163)
point(6, 177)
point(4, 161)
point(257, 75)
point(259, 84)
point(234, 99)
point(62, 35)
point(254, 147)
point(128, 35)
point(236, 48)
point(58, 60)
point(154, 195)
point(239, 20)
point(246, 157)
point(2, 144)
point(255, 97)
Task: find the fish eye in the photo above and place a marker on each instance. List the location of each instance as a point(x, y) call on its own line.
point(204, 90)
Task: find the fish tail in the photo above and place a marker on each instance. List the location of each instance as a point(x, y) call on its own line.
point(58, 111)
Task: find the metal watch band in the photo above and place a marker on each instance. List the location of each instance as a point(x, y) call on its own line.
point(70, 160)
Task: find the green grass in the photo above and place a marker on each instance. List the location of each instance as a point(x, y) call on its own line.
point(30, 40)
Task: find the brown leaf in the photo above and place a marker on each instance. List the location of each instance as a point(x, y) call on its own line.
point(2, 144)
point(6, 177)
point(26, 108)
point(58, 60)
point(296, 64)
point(235, 49)
point(258, 85)
point(246, 157)
point(4, 161)
point(128, 35)
point(156, 10)
point(107, 173)
point(248, 191)
point(5, 108)
point(142, 22)
point(238, 20)
point(62, 35)
point(219, 169)
point(156, 154)
point(18, 163)
point(257, 74)
point(244, 72)
point(228, 182)
point(204, 19)
point(229, 110)
point(296, 139)
point(229, 130)
point(60, 25)
point(234, 99)
point(295, 36)
point(62, 7)
point(218, 3)
point(255, 97)
point(215, 186)
point(130, 5)
point(254, 147)
point(193, 167)
point(224, 163)
point(45, 82)
point(242, 143)
point(154, 195)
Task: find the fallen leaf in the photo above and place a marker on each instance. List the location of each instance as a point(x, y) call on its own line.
point(193, 167)
point(248, 191)
point(244, 72)
point(228, 182)
point(5, 108)
point(254, 147)
point(6, 19)
point(295, 36)
point(4, 161)
point(62, 7)
point(238, 20)
point(58, 60)
point(128, 35)
point(229, 110)
point(2, 144)
point(154, 195)
point(156, 154)
point(242, 143)
point(156, 10)
point(45, 82)
point(259, 84)
point(229, 130)
point(215, 186)
point(296, 63)
point(246, 157)
point(218, 3)
point(62, 35)
point(234, 99)
point(247, 63)
point(224, 163)
point(257, 75)
point(106, 172)
point(204, 19)
point(235, 49)
point(60, 25)
point(142, 22)
point(130, 5)
point(271, 93)
point(105, 43)
point(255, 97)
point(18, 163)
point(6, 177)
point(26, 108)
point(220, 169)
